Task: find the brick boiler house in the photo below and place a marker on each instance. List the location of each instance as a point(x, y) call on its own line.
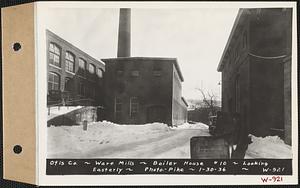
point(142, 90)
point(256, 71)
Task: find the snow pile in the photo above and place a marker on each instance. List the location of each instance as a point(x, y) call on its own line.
point(110, 140)
point(145, 127)
point(192, 126)
point(268, 147)
point(60, 110)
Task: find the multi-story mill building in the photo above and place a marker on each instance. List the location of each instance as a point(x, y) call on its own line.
point(74, 77)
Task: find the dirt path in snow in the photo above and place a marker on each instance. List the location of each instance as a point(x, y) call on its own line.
point(150, 148)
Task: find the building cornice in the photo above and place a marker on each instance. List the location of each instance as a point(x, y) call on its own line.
point(175, 62)
point(50, 33)
point(230, 39)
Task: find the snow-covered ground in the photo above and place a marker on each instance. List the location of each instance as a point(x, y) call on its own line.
point(268, 147)
point(155, 140)
point(192, 126)
point(59, 110)
point(109, 140)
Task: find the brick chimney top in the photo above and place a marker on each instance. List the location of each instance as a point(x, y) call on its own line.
point(124, 33)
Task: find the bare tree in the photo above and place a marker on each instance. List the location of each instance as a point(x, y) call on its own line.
point(209, 99)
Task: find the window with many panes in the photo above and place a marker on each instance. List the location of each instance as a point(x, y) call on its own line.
point(53, 81)
point(134, 106)
point(82, 66)
point(118, 108)
point(100, 72)
point(68, 84)
point(70, 62)
point(81, 63)
point(92, 68)
point(54, 55)
point(81, 88)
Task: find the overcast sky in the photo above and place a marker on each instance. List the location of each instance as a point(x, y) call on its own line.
point(196, 37)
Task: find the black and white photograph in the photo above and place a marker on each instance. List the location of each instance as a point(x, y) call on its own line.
point(168, 86)
point(140, 83)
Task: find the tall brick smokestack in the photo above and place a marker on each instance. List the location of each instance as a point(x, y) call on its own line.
point(124, 33)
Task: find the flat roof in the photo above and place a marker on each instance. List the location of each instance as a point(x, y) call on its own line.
point(153, 58)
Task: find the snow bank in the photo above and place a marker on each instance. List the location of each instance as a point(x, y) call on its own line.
point(192, 126)
point(148, 126)
point(60, 110)
point(268, 147)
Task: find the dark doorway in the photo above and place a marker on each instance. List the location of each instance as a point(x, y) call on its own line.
point(100, 114)
point(156, 114)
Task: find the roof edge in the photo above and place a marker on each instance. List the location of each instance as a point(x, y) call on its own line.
point(138, 57)
point(153, 58)
point(236, 22)
point(65, 41)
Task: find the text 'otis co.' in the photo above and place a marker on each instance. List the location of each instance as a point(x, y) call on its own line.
point(168, 166)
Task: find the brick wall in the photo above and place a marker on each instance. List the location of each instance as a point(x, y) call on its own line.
point(153, 87)
point(257, 34)
point(152, 91)
point(93, 84)
point(179, 109)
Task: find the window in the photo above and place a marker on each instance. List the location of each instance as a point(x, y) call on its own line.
point(237, 94)
point(54, 55)
point(81, 67)
point(156, 73)
point(245, 40)
point(88, 91)
point(100, 72)
point(119, 68)
point(135, 73)
point(230, 106)
point(53, 81)
point(156, 69)
point(82, 63)
point(118, 108)
point(68, 84)
point(91, 68)
point(81, 88)
point(134, 106)
point(236, 53)
point(70, 62)
point(94, 92)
